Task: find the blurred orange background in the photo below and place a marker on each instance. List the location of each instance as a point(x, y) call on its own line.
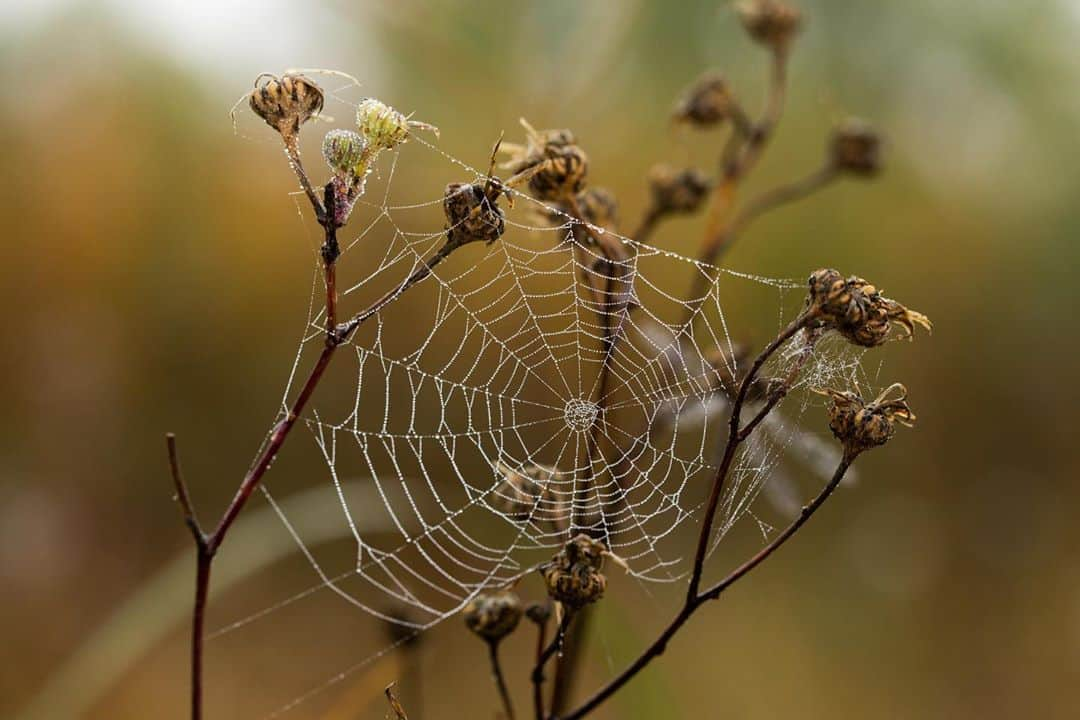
point(155, 275)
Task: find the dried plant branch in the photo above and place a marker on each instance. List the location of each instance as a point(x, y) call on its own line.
point(659, 645)
point(395, 705)
point(500, 680)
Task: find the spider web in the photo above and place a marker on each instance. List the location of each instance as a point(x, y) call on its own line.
point(500, 363)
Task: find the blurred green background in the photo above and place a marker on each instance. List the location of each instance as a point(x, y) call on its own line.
point(154, 275)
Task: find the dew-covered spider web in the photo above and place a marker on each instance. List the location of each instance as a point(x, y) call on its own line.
point(529, 390)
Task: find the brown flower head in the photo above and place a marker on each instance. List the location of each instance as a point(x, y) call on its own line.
point(573, 577)
point(526, 495)
point(472, 209)
point(677, 191)
point(769, 22)
point(550, 162)
point(856, 148)
point(286, 103)
point(493, 616)
point(857, 310)
point(706, 103)
point(859, 425)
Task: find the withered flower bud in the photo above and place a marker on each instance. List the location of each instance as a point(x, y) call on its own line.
point(859, 425)
point(599, 207)
point(526, 495)
point(856, 148)
point(770, 22)
point(383, 127)
point(493, 616)
point(539, 613)
point(707, 102)
point(550, 162)
point(286, 103)
point(857, 310)
point(343, 151)
point(472, 214)
point(573, 577)
point(677, 191)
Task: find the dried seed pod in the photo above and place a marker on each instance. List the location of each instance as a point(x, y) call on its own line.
point(859, 425)
point(550, 162)
point(599, 207)
point(343, 151)
point(526, 495)
point(677, 191)
point(769, 22)
point(493, 616)
point(286, 103)
point(472, 211)
point(384, 127)
point(573, 577)
point(539, 613)
point(706, 103)
point(856, 148)
point(857, 310)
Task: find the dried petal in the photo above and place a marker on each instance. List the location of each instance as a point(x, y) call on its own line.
point(573, 577)
point(493, 616)
point(857, 310)
point(677, 191)
point(286, 103)
point(856, 148)
point(860, 426)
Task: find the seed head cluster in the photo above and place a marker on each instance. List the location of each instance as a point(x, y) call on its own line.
point(573, 577)
point(860, 426)
point(857, 310)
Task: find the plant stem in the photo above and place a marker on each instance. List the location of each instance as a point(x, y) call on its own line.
point(206, 546)
point(500, 681)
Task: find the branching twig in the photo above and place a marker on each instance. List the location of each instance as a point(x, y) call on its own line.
point(208, 545)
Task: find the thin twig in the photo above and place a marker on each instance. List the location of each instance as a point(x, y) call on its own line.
point(182, 496)
point(500, 681)
point(538, 679)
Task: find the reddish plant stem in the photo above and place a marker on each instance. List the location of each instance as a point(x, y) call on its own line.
point(733, 442)
point(208, 545)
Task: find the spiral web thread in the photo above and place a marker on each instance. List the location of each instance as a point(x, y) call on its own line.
point(491, 366)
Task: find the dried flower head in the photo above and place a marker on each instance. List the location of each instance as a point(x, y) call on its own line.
point(859, 425)
point(573, 577)
point(677, 191)
point(493, 616)
point(706, 103)
point(550, 162)
point(599, 207)
point(770, 22)
point(856, 148)
point(384, 127)
point(857, 310)
point(526, 495)
point(286, 103)
point(539, 613)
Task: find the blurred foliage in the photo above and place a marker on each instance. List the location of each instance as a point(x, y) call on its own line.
point(155, 276)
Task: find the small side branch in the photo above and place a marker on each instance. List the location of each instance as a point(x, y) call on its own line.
point(182, 497)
